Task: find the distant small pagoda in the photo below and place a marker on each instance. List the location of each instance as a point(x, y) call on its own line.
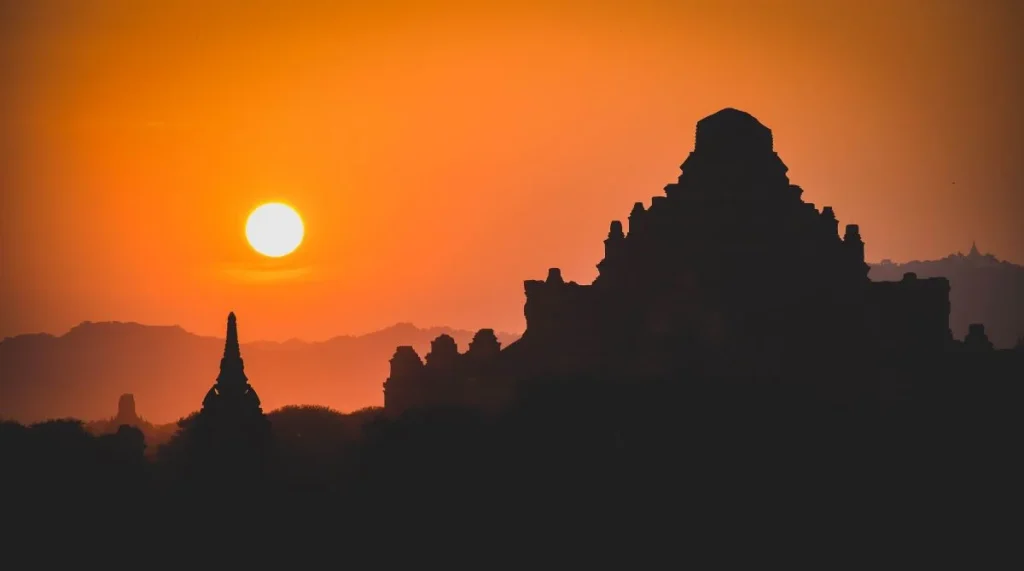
point(126, 414)
point(974, 253)
point(975, 257)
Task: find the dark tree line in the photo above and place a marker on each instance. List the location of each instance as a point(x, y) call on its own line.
point(582, 454)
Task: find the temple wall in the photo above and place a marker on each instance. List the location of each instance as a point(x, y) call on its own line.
point(557, 310)
point(446, 377)
point(911, 314)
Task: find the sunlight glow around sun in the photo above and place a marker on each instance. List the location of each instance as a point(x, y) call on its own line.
point(274, 229)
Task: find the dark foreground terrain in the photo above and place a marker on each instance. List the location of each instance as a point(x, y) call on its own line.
point(578, 462)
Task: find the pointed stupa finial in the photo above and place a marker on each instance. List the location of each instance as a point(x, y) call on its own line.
point(232, 369)
point(231, 349)
point(974, 249)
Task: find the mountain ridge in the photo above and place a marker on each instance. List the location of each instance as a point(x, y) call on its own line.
point(86, 324)
point(83, 372)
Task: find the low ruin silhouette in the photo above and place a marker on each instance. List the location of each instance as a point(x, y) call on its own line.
point(729, 274)
point(976, 339)
point(127, 416)
point(984, 289)
point(126, 411)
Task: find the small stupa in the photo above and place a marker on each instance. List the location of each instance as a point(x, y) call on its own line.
point(232, 419)
point(126, 411)
point(232, 394)
point(977, 339)
point(974, 253)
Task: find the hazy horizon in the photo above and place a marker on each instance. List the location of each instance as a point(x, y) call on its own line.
point(246, 341)
point(440, 153)
point(284, 339)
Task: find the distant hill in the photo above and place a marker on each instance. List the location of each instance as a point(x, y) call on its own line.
point(82, 373)
point(984, 290)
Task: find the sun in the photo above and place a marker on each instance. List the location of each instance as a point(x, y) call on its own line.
point(274, 229)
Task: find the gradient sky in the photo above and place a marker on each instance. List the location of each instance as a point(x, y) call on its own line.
point(441, 153)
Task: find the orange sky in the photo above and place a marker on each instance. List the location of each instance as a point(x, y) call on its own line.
point(441, 153)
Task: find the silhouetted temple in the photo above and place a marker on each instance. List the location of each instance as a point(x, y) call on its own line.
point(231, 420)
point(447, 377)
point(232, 394)
point(729, 273)
point(126, 414)
point(977, 339)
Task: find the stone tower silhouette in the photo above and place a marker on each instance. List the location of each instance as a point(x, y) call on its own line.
point(231, 418)
point(126, 411)
point(230, 436)
point(232, 394)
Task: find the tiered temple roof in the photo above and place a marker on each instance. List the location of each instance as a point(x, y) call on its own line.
point(730, 272)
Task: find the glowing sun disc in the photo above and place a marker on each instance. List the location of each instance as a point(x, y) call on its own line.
point(274, 229)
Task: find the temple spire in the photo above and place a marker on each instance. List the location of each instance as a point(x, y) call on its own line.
point(974, 249)
point(231, 349)
point(233, 431)
point(232, 369)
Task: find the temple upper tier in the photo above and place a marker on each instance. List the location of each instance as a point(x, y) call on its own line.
point(729, 262)
point(732, 152)
point(728, 273)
